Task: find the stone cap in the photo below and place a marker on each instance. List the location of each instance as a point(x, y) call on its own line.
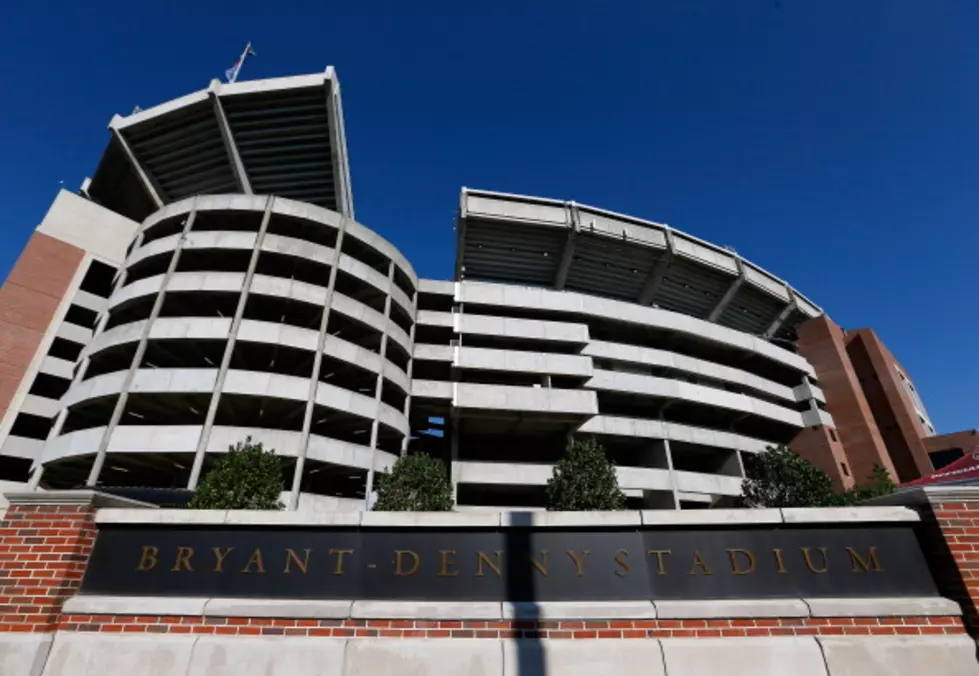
point(80, 498)
point(624, 519)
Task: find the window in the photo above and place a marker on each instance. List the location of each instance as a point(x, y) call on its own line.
point(846, 472)
point(832, 434)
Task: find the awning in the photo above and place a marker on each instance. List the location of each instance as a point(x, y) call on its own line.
point(963, 470)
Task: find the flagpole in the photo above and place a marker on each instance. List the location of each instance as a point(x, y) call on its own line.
point(241, 62)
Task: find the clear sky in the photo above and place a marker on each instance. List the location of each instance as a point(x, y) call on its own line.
point(833, 142)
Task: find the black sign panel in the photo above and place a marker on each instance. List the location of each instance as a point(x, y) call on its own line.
point(514, 564)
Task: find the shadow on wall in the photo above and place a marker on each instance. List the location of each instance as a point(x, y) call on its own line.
point(522, 597)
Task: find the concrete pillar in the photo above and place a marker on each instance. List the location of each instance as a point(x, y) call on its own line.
point(93, 476)
point(314, 379)
point(378, 386)
point(229, 347)
point(411, 368)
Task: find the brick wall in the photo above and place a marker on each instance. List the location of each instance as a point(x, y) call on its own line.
point(43, 554)
point(28, 301)
point(564, 629)
point(822, 343)
point(950, 537)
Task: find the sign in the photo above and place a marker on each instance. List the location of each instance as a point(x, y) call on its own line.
point(509, 564)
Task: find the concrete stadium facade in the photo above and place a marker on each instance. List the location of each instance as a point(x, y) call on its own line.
point(241, 298)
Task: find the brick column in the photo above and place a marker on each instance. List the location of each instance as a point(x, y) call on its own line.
point(949, 536)
point(45, 542)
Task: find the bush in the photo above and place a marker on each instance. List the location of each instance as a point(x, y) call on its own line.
point(780, 478)
point(584, 479)
point(417, 483)
point(248, 477)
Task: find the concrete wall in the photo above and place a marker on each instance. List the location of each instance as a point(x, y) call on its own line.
point(93, 654)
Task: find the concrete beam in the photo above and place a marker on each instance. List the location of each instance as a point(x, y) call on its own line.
point(561, 277)
point(153, 189)
point(461, 233)
point(782, 316)
point(655, 279)
point(729, 295)
point(338, 144)
point(237, 166)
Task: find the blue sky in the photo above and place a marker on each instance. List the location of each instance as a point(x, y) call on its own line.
point(833, 142)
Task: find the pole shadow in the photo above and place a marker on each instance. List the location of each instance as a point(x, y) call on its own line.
point(521, 595)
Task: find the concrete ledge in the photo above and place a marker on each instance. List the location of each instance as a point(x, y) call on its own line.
point(763, 656)
point(710, 517)
point(86, 604)
point(113, 514)
point(900, 656)
point(421, 657)
point(431, 519)
point(78, 498)
point(614, 657)
point(23, 654)
point(571, 519)
point(422, 610)
point(86, 653)
point(259, 518)
point(696, 610)
point(266, 655)
point(883, 607)
point(306, 609)
point(574, 610)
point(833, 515)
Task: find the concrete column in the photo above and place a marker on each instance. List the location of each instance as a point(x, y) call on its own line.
point(59, 420)
point(229, 347)
point(314, 380)
point(411, 367)
point(669, 466)
point(378, 385)
point(655, 279)
point(454, 454)
point(93, 476)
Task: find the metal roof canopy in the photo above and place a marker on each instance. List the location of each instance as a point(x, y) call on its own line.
point(564, 245)
point(282, 136)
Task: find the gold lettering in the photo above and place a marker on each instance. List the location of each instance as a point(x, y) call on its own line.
point(219, 558)
point(301, 565)
point(809, 564)
point(621, 558)
point(579, 563)
point(495, 567)
point(865, 565)
point(660, 564)
point(147, 560)
point(340, 553)
point(541, 565)
point(256, 561)
point(399, 557)
point(698, 560)
point(735, 568)
point(183, 560)
point(445, 562)
point(779, 561)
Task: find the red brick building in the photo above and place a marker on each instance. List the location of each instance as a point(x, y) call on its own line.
point(880, 418)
